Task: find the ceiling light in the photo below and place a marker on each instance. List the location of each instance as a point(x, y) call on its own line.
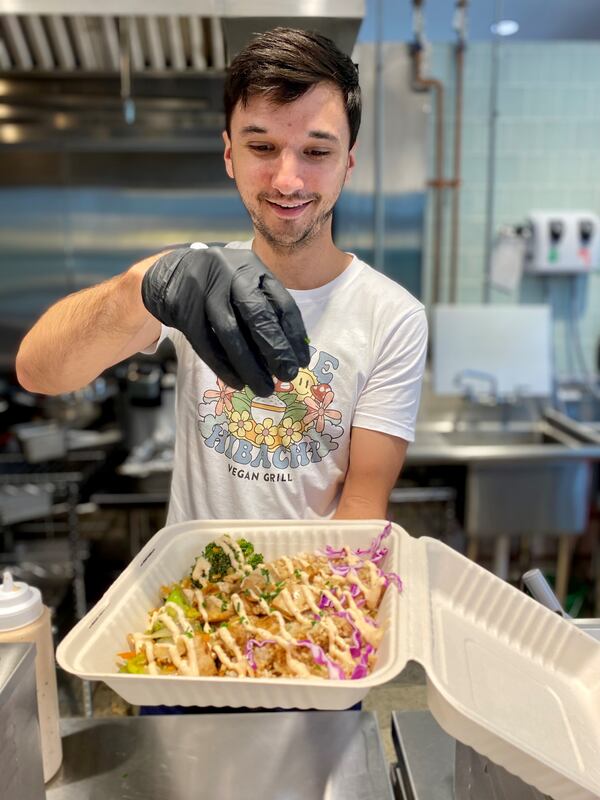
point(505, 27)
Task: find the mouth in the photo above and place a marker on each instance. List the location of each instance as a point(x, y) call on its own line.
point(289, 210)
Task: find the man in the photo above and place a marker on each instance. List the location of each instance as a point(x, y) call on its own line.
point(328, 437)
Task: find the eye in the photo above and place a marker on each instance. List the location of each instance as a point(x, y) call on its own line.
point(318, 153)
point(260, 148)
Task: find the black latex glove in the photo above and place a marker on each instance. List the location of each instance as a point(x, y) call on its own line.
point(236, 315)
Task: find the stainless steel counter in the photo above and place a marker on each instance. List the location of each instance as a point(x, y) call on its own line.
point(272, 756)
point(21, 773)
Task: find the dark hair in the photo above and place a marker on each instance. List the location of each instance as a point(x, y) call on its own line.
point(284, 63)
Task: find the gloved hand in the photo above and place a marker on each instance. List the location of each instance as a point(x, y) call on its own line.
point(236, 315)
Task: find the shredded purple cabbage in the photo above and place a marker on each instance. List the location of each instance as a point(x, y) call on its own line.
point(340, 569)
point(251, 644)
point(392, 577)
point(375, 551)
point(333, 670)
point(331, 552)
point(361, 670)
point(325, 602)
point(357, 640)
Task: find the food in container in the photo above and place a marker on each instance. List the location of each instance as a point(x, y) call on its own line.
point(312, 615)
point(504, 675)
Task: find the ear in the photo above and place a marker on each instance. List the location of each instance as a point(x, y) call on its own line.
point(351, 162)
point(227, 154)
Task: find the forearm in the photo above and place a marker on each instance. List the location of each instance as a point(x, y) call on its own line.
point(375, 462)
point(86, 332)
point(356, 507)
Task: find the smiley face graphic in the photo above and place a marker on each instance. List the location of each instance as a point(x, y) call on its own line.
point(303, 383)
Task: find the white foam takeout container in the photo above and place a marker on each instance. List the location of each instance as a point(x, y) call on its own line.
point(504, 674)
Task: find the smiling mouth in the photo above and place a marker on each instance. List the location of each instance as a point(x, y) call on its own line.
point(288, 210)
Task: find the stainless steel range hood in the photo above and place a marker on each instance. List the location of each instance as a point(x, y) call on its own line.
point(135, 74)
point(161, 36)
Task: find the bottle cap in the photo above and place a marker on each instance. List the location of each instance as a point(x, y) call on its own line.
point(20, 604)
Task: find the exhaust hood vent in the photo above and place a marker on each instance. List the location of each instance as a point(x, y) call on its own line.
point(86, 44)
point(141, 74)
point(156, 35)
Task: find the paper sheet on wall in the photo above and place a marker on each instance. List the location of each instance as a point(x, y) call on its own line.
point(507, 259)
point(511, 343)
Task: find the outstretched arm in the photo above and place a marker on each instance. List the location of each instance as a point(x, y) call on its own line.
point(83, 334)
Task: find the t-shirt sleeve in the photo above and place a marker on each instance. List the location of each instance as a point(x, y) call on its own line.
point(389, 401)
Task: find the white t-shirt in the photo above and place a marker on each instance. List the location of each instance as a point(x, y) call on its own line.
point(285, 457)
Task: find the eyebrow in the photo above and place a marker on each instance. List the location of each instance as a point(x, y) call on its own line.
point(329, 137)
point(253, 129)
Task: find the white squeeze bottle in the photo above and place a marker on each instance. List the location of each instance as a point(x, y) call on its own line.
point(24, 618)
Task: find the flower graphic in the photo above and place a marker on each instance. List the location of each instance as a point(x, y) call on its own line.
point(290, 431)
point(240, 424)
point(265, 432)
point(319, 411)
point(222, 395)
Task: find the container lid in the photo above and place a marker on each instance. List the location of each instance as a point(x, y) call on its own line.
point(20, 604)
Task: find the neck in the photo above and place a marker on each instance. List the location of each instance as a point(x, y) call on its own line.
point(307, 267)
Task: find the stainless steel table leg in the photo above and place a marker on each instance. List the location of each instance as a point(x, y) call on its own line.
point(563, 567)
point(78, 580)
point(502, 557)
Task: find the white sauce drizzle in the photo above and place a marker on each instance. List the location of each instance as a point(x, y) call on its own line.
point(201, 570)
point(288, 601)
point(203, 612)
point(191, 651)
point(181, 618)
point(289, 564)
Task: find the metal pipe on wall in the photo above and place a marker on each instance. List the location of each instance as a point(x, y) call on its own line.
point(491, 170)
point(460, 25)
point(422, 84)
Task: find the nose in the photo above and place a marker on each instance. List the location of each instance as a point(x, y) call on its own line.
point(286, 176)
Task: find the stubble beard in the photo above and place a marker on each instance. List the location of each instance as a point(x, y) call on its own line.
point(291, 242)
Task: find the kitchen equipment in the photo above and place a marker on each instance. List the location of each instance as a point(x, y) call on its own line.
point(19, 503)
point(21, 772)
point(41, 441)
point(562, 242)
point(504, 674)
point(23, 618)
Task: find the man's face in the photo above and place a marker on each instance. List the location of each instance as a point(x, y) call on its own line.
point(290, 163)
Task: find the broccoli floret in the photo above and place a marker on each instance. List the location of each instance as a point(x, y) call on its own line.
point(252, 558)
point(220, 563)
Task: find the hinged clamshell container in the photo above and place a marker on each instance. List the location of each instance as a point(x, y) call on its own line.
point(504, 675)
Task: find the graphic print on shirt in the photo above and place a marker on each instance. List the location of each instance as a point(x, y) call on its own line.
point(269, 437)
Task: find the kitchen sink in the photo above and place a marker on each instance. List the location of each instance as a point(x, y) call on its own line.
point(502, 437)
point(442, 442)
point(526, 478)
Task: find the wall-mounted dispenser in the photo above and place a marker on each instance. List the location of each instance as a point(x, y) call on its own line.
point(562, 242)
